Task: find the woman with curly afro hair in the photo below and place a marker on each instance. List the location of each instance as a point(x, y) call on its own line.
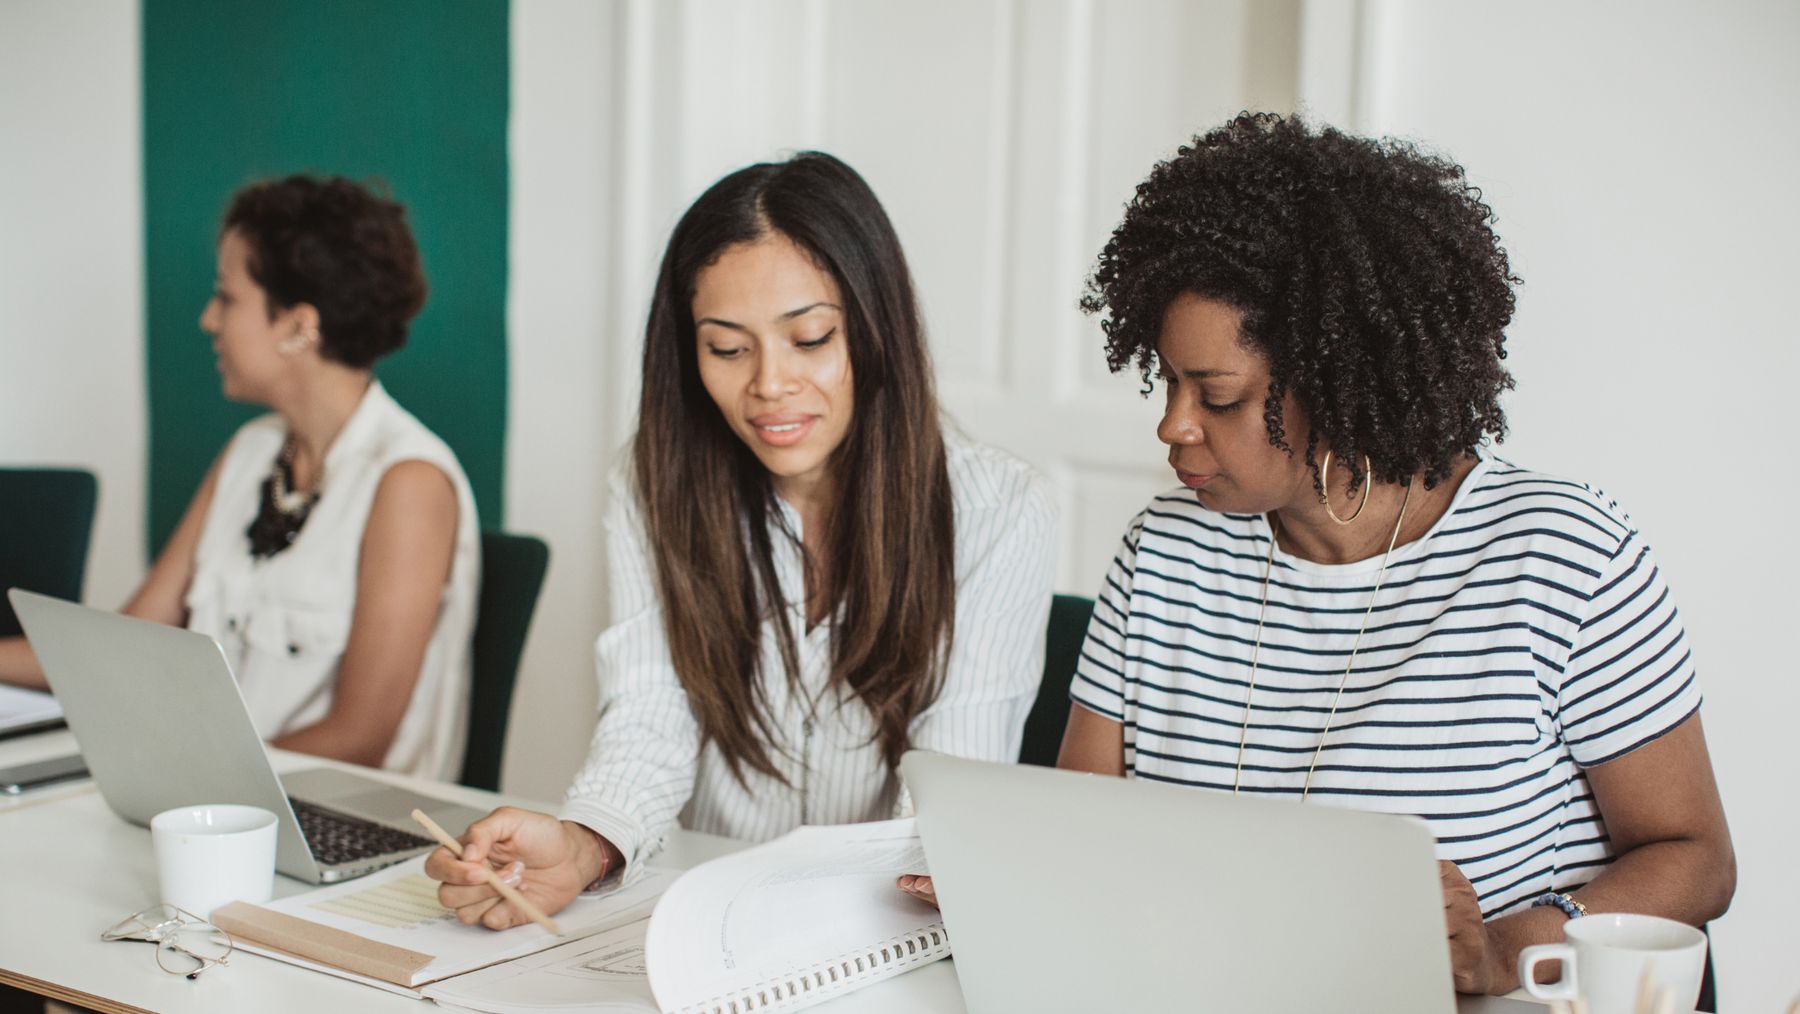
point(332, 548)
point(1350, 600)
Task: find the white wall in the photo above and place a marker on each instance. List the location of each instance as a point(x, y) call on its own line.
point(1641, 157)
point(561, 351)
point(71, 263)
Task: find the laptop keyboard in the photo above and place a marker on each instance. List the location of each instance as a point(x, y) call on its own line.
point(337, 838)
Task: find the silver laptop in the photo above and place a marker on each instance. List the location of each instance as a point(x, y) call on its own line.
point(161, 724)
point(1074, 892)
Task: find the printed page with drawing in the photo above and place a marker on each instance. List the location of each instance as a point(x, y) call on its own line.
point(389, 927)
point(602, 974)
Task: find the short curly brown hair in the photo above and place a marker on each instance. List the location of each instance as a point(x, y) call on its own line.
point(340, 247)
point(1367, 271)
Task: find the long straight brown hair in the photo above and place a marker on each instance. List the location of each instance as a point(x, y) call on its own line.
point(890, 580)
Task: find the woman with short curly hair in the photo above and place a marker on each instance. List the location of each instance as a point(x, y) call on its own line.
point(332, 548)
point(1352, 601)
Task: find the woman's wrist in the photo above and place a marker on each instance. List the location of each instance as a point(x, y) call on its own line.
point(1510, 934)
point(595, 858)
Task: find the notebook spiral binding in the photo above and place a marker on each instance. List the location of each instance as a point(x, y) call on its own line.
point(841, 974)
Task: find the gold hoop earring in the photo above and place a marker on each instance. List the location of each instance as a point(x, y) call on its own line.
point(1325, 481)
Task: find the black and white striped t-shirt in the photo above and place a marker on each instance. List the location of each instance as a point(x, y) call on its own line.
point(1526, 637)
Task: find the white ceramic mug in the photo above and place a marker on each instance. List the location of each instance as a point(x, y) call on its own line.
point(212, 854)
point(1607, 955)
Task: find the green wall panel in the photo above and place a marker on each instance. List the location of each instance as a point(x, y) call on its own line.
point(411, 92)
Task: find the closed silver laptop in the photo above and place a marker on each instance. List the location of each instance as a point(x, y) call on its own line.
point(161, 724)
point(1073, 892)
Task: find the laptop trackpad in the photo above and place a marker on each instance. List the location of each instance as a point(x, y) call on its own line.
point(361, 796)
point(393, 806)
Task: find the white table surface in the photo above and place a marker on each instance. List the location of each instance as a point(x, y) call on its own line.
point(73, 868)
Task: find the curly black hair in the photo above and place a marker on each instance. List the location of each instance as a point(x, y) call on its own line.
point(1367, 272)
point(339, 246)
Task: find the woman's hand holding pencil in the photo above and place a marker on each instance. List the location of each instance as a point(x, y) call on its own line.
point(505, 889)
point(514, 866)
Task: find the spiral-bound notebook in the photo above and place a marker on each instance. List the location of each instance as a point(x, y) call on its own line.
point(796, 921)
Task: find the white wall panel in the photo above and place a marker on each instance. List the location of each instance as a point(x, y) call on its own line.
point(72, 265)
point(746, 84)
point(559, 426)
point(919, 102)
point(1168, 70)
point(1103, 91)
point(1639, 157)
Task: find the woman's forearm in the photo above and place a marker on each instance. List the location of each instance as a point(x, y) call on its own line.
point(1688, 880)
point(340, 738)
point(19, 665)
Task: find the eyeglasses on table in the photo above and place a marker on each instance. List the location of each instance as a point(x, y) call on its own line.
point(186, 944)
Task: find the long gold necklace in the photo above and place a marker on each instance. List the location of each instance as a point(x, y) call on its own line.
point(1256, 651)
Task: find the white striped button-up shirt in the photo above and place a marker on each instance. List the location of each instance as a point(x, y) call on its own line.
point(646, 768)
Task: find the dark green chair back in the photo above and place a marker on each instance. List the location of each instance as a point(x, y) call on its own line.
point(46, 519)
point(1069, 615)
point(512, 574)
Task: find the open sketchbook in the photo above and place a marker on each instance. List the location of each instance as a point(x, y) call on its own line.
point(797, 921)
point(387, 929)
point(792, 922)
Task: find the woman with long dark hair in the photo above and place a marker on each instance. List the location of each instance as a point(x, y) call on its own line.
point(808, 576)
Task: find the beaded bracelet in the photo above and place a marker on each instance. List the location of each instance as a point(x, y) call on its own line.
point(1570, 907)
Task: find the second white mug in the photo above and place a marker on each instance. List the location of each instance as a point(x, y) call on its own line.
point(1606, 957)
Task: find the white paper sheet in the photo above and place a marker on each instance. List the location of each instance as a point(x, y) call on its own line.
point(21, 708)
point(768, 912)
point(601, 974)
point(397, 906)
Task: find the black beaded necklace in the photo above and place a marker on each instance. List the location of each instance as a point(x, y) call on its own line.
point(282, 510)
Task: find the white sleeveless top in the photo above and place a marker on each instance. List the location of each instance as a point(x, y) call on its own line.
point(284, 620)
